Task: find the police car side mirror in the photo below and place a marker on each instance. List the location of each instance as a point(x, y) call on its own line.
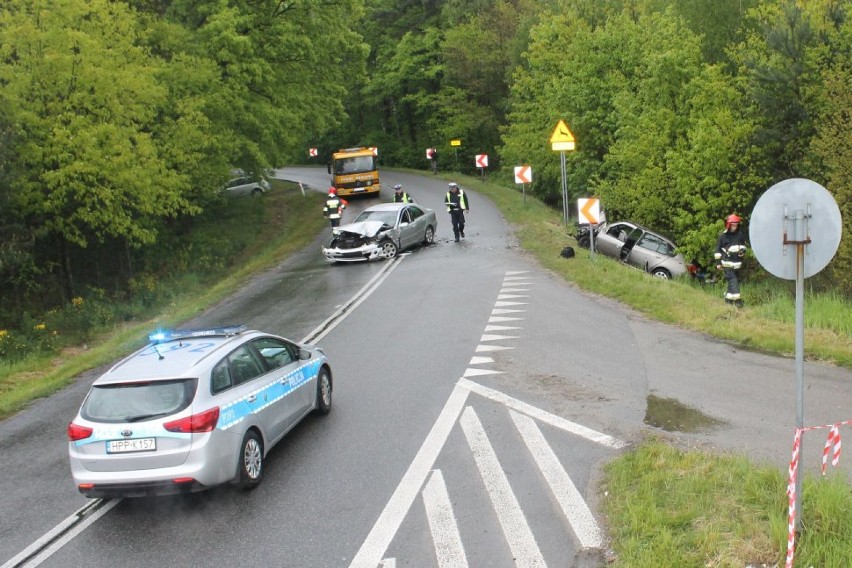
point(304, 354)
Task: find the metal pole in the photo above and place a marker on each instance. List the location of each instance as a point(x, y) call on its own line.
point(800, 368)
point(564, 189)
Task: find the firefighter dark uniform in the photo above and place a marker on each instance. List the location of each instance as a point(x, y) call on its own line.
point(334, 206)
point(400, 196)
point(730, 251)
point(457, 204)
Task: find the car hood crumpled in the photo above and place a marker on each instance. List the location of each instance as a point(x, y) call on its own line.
point(364, 228)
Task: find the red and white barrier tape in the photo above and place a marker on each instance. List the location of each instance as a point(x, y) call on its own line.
point(832, 446)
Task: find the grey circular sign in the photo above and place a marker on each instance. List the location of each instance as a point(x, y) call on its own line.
point(795, 211)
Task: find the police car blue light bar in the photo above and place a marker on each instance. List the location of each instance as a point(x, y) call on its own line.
point(163, 336)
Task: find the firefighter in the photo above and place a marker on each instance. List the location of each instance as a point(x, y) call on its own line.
point(400, 196)
point(334, 206)
point(457, 204)
point(730, 251)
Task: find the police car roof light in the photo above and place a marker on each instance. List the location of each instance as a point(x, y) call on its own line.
point(171, 335)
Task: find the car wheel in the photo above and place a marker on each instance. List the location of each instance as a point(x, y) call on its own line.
point(256, 192)
point(429, 237)
point(389, 249)
point(251, 460)
point(661, 273)
point(584, 242)
point(323, 392)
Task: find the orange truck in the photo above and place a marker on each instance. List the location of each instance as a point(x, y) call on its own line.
point(355, 171)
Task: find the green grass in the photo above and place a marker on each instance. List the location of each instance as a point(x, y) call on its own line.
point(670, 508)
point(284, 223)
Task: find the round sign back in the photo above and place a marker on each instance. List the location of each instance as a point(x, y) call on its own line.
point(790, 212)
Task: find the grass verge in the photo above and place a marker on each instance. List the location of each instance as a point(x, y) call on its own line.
point(290, 222)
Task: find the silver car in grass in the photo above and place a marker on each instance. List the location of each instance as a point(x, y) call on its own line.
point(381, 231)
point(641, 248)
point(194, 409)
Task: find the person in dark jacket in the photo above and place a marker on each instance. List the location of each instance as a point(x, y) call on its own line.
point(457, 204)
point(401, 196)
point(730, 251)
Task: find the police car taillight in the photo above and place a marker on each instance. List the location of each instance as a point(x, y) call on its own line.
point(202, 422)
point(77, 432)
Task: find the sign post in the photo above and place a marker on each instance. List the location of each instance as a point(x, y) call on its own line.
point(791, 215)
point(523, 176)
point(563, 141)
point(482, 163)
point(456, 144)
point(589, 211)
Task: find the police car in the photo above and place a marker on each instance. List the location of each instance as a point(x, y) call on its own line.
point(194, 409)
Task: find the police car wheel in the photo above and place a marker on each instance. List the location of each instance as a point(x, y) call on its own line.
point(429, 237)
point(251, 461)
point(323, 392)
point(389, 249)
point(661, 273)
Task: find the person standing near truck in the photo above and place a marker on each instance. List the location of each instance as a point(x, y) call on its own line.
point(334, 206)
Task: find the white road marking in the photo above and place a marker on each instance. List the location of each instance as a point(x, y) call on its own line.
point(506, 311)
point(442, 523)
point(500, 328)
point(510, 296)
point(513, 290)
point(495, 319)
point(543, 416)
point(504, 304)
point(572, 503)
point(60, 529)
point(474, 372)
point(490, 337)
point(486, 348)
point(480, 360)
point(337, 317)
point(516, 530)
point(389, 520)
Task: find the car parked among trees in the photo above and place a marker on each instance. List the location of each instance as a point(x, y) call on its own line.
point(641, 248)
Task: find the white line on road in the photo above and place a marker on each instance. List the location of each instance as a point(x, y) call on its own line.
point(442, 523)
point(516, 530)
point(572, 503)
point(376, 543)
point(33, 555)
point(538, 414)
point(334, 319)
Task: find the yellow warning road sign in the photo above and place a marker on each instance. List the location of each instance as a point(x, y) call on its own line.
point(562, 139)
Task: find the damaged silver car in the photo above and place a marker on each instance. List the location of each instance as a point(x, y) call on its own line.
point(381, 231)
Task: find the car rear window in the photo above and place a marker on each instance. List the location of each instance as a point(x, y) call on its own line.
point(137, 402)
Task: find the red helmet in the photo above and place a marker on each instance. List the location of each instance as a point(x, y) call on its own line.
point(332, 191)
point(732, 218)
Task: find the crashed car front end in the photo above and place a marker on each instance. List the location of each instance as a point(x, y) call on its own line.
point(357, 242)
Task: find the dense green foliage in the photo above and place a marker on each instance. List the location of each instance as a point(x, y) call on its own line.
point(118, 120)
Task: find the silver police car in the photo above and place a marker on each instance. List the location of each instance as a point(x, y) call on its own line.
point(194, 409)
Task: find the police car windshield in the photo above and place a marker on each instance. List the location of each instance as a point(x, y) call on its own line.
point(136, 402)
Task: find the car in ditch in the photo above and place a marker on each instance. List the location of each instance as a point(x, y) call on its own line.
point(194, 409)
point(641, 248)
point(381, 231)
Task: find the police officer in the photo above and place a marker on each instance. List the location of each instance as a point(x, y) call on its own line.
point(730, 250)
point(334, 206)
point(457, 204)
point(400, 196)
